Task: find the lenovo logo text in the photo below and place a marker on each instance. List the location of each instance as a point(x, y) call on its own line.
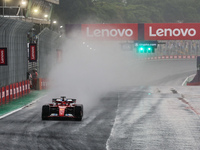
point(33, 53)
point(109, 32)
point(2, 57)
point(167, 32)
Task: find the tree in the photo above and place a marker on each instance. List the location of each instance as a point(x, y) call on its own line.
point(127, 11)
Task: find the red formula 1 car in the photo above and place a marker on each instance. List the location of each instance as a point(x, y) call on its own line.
point(62, 108)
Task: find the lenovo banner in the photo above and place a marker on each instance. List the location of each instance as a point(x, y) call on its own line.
point(32, 53)
point(172, 31)
point(3, 56)
point(118, 32)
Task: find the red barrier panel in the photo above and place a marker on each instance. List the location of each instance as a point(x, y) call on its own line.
point(17, 90)
point(46, 83)
point(163, 57)
point(3, 95)
point(175, 57)
point(184, 57)
point(188, 57)
point(43, 84)
point(11, 92)
point(20, 89)
point(0, 97)
point(179, 56)
point(23, 88)
point(167, 57)
point(193, 57)
point(14, 91)
point(193, 84)
point(39, 84)
point(29, 86)
point(7, 94)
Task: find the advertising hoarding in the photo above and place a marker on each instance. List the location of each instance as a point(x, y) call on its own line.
point(118, 32)
point(140, 32)
point(172, 31)
point(32, 53)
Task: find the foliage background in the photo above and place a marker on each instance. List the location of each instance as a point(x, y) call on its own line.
point(127, 11)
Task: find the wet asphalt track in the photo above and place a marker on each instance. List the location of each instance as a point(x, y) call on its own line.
point(137, 117)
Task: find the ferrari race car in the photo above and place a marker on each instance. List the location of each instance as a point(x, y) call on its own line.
point(62, 108)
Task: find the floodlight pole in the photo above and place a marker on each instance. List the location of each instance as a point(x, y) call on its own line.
point(3, 7)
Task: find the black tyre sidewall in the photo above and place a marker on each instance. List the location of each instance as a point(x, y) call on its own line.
point(79, 112)
point(45, 112)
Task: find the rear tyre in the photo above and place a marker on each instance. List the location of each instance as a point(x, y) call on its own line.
point(45, 112)
point(79, 112)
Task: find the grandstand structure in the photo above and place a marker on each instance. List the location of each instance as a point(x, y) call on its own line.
point(36, 11)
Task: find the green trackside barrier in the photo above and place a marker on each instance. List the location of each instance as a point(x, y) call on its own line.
point(20, 102)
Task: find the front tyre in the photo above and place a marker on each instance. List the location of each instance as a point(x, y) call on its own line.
point(79, 112)
point(45, 112)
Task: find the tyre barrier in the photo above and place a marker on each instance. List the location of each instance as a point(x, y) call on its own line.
point(43, 83)
point(14, 91)
point(11, 92)
point(7, 94)
point(3, 95)
point(19, 89)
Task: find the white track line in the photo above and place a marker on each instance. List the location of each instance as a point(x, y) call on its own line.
point(14, 111)
point(112, 130)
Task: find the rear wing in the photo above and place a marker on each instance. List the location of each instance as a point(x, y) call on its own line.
point(71, 100)
point(68, 100)
point(54, 100)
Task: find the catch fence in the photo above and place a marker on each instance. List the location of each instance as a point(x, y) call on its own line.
point(48, 44)
point(13, 36)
